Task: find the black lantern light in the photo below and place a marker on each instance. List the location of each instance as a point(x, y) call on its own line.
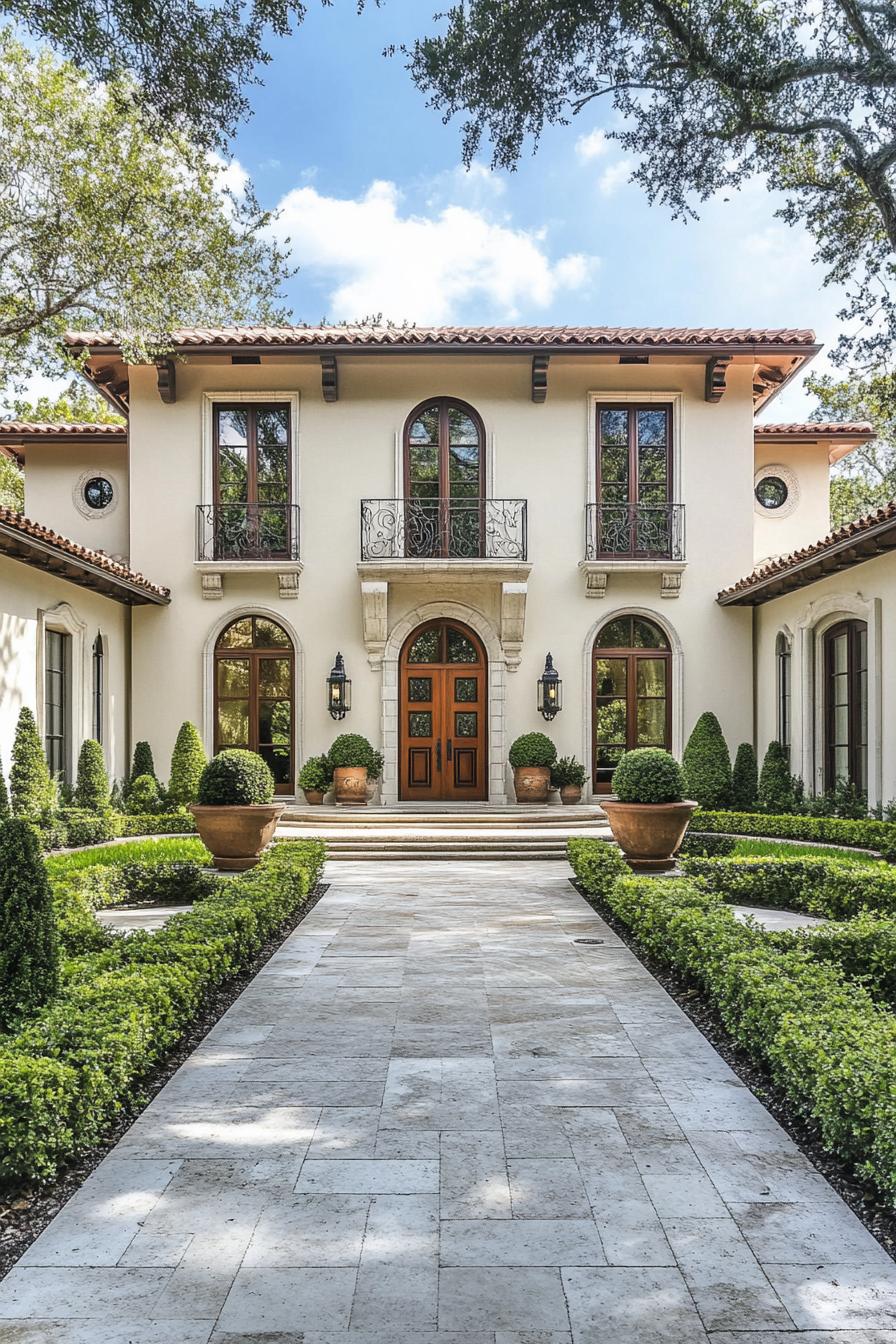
point(550, 690)
point(339, 690)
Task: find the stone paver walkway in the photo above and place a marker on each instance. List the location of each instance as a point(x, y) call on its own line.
point(434, 1115)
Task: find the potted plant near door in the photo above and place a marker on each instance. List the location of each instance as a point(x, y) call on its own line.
point(374, 774)
point(532, 756)
point(351, 758)
point(236, 813)
point(315, 778)
point(568, 775)
point(648, 816)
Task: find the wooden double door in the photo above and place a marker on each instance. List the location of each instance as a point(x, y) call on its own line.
point(443, 702)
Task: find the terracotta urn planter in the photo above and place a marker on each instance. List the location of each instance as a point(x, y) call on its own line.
point(313, 797)
point(532, 783)
point(236, 835)
point(649, 834)
point(570, 793)
point(350, 784)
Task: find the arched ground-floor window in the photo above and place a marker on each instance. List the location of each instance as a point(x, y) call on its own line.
point(846, 704)
point(255, 693)
point(632, 693)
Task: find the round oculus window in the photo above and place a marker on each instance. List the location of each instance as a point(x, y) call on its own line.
point(98, 492)
point(772, 492)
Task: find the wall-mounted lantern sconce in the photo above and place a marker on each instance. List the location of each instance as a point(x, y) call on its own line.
point(339, 690)
point(550, 690)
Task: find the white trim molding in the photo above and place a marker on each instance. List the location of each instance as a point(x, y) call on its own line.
point(497, 692)
point(677, 650)
point(66, 620)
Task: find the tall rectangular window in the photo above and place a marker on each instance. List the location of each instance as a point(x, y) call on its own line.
point(99, 687)
point(252, 482)
point(782, 657)
point(634, 481)
point(57, 702)
point(846, 704)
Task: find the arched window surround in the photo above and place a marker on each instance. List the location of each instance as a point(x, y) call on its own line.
point(487, 442)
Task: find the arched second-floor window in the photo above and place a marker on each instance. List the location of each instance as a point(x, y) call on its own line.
point(444, 480)
point(255, 693)
point(783, 689)
point(846, 704)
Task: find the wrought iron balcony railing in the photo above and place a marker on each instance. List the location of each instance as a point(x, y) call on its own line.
point(247, 532)
point(451, 529)
point(634, 532)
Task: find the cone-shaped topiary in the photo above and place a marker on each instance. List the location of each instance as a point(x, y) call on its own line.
point(4, 797)
point(29, 954)
point(92, 788)
point(30, 786)
point(745, 779)
point(707, 765)
point(648, 775)
point(188, 760)
point(143, 796)
point(142, 763)
point(776, 791)
point(236, 778)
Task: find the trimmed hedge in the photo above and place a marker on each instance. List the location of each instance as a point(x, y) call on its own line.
point(877, 835)
point(29, 946)
point(830, 888)
point(707, 846)
point(69, 1073)
point(864, 948)
point(157, 823)
point(828, 1046)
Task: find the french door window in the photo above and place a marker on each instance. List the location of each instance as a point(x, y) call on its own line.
point(634, 481)
point(252, 448)
point(846, 704)
point(444, 480)
point(783, 667)
point(254, 693)
point(58, 702)
point(632, 689)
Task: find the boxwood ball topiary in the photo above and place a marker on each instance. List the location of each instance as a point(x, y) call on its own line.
point(236, 778)
point(707, 764)
point(532, 749)
point(351, 751)
point(648, 775)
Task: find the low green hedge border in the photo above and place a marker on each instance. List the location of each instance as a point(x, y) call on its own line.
point(828, 1046)
point(877, 835)
point(67, 1074)
point(864, 948)
point(75, 828)
point(830, 888)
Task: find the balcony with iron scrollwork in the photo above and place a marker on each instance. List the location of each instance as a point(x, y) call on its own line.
point(632, 538)
point(247, 537)
point(444, 529)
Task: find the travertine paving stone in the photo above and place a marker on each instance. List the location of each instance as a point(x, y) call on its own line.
point(434, 1116)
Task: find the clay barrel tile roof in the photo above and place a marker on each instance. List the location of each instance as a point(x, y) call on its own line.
point(820, 429)
point(74, 430)
point(12, 523)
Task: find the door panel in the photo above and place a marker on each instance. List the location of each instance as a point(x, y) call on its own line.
point(442, 753)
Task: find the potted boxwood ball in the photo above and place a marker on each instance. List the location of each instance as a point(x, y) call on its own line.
point(236, 814)
point(351, 757)
point(568, 775)
point(315, 777)
point(648, 816)
point(532, 756)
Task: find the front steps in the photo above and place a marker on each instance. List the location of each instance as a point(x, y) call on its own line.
point(444, 832)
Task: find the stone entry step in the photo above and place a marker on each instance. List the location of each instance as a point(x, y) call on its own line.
point(459, 817)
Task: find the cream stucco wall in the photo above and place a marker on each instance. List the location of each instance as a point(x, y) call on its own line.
point(52, 476)
point(32, 600)
point(349, 450)
point(866, 592)
point(806, 516)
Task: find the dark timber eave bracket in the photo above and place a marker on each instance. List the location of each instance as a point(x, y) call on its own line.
point(540, 377)
point(716, 378)
point(166, 379)
point(329, 378)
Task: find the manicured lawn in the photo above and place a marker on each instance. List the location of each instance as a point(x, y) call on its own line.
point(785, 849)
point(163, 850)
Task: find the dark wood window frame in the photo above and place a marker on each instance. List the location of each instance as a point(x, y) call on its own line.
point(857, 740)
point(632, 656)
point(255, 655)
point(631, 409)
point(98, 688)
point(58, 694)
point(783, 689)
point(445, 404)
point(252, 409)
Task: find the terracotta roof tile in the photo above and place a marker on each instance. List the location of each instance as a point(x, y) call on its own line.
point(18, 523)
point(70, 430)
point(821, 429)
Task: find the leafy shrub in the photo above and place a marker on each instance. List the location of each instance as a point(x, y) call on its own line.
point(351, 751)
point(159, 823)
point(315, 775)
point(188, 760)
point(143, 795)
point(30, 785)
point(706, 764)
point(92, 788)
point(88, 828)
point(843, 800)
point(598, 865)
point(29, 954)
point(776, 789)
point(878, 835)
point(5, 810)
point(236, 778)
point(568, 771)
point(65, 1077)
point(864, 949)
point(143, 763)
point(648, 775)
point(745, 779)
point(532, 749)
point(831, 888)
point(707, 846)
point(375, 769)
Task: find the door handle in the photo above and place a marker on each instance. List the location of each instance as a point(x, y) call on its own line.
point(450, 745)
point(438, 753)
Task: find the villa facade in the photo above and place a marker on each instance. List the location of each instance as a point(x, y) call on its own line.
point(444, 508)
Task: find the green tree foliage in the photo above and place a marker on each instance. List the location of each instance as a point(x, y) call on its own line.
point(704, 95)
point(5, 810)
point(78, 404)
point(865, 479)
point(12, 485)
point(142, 764)
point(103, 226)
point(188, 761)
point(29, 954)
point(745, 779)
point(92, 787)
point(30, 786)
point(776, 791)
point(707, 764)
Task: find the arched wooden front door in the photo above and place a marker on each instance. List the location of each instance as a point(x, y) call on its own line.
point(255, 693)
point(443, 702)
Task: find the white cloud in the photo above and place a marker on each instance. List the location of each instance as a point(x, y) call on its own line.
point(422, 267)
point(592, 145)
point(231, 175)
point(614, 177)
